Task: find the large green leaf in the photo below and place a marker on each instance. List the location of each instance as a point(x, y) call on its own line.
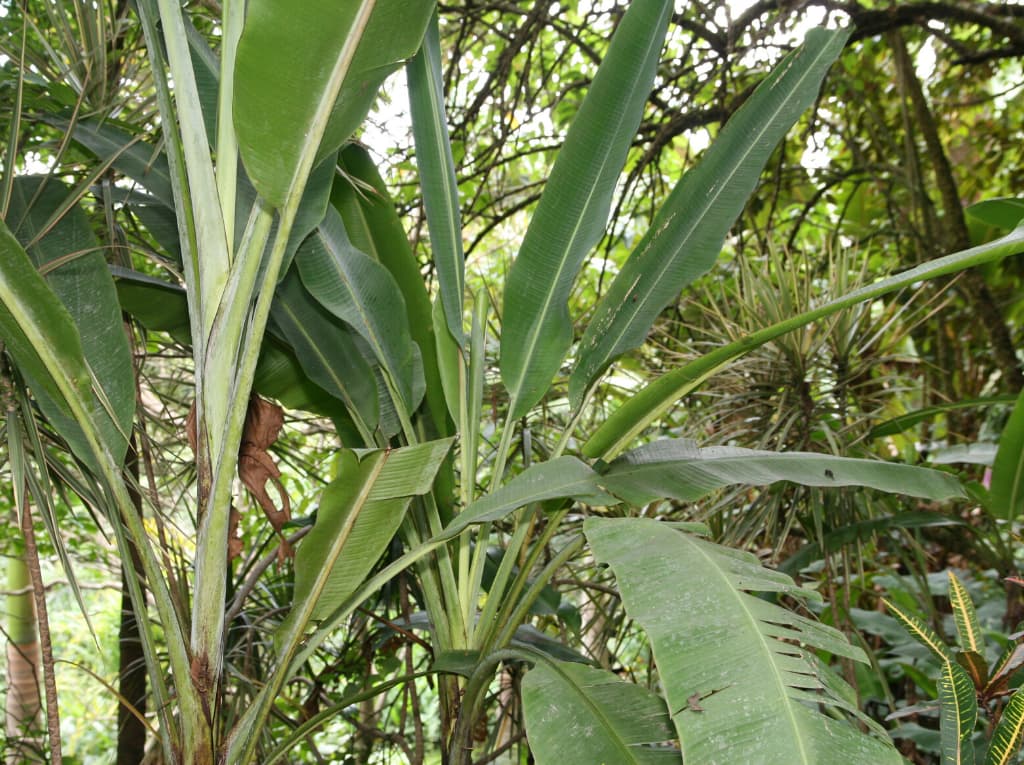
point(306, 75)
point(362, 293)
point(555, 479)
point(360, 511)
point(1007, 490)
point(437, 174)
point(40, 334)
point(679, 469)
point(374, 227)
point(326, 350)
point(70, 256)
point(687, 234)
point(157, 305)
point(280, 376)
point(629, 420)
point(573, 211)
point(743, 660)
point(580, 714)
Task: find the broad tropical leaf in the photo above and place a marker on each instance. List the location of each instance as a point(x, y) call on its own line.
point(555, 479)
point(629, 420)
point(967, 626)
point(576, 713)
point(959, 713)
point(679, 469)
point(305, 76)
point(326, 350)
point(687, 234)
point(573, 211)
point(374, 227)
point(1007, 737)
point(437, 175)
point(360, 511)
point(746, 662)
point(1007, 490)
point(69, 254)
point(362, 293)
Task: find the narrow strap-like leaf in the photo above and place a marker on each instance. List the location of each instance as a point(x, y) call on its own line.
point(437, 175)
point(679, 469)
point(573, 211)
point(687, 234)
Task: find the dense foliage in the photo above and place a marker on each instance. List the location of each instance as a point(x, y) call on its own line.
point(507, 382)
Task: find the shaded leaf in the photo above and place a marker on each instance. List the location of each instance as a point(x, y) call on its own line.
point(363, 294)
point(325, 349)
point(374, 228)
point(69, 254)
point(576, 713)
point(1007, 488)
point(1009, 662)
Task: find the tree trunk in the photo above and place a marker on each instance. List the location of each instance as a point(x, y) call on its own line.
point(131, 671)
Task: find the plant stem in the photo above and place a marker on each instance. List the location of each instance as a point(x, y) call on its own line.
point(39, 593)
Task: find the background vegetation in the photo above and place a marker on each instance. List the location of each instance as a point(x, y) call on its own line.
point(910, 150)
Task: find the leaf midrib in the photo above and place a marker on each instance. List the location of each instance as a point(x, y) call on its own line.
point(766, 642)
